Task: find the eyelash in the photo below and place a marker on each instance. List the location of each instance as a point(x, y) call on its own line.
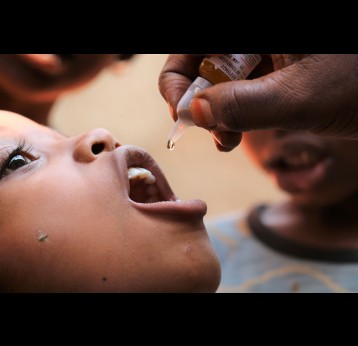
point(22, 149)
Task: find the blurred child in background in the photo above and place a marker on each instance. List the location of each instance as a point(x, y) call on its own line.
point(308, 243)
point(31, 83)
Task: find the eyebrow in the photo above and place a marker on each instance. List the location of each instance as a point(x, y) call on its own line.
point(2, 147)
point(5, 144)
point(6, 140)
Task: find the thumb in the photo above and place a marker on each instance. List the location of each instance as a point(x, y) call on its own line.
point(277, 100)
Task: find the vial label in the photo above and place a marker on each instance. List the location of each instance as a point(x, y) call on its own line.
point(236, 66)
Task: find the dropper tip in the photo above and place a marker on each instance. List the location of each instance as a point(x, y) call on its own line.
point(170, 144)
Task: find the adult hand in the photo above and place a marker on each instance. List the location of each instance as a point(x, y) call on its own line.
point(313, 92)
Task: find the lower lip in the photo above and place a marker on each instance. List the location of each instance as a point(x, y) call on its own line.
point(49, 63)
point(302, 180)
point(173, 207)
point(192, 208)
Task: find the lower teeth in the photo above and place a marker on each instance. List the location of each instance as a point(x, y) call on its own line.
point(153, 199)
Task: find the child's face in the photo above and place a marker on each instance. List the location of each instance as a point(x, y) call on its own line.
point(43, 77)
point(67, 223)
point(314, 170)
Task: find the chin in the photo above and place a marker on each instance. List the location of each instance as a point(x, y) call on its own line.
point(203, 271)
point(193, 268)
point(207, 280)
point(316, 199)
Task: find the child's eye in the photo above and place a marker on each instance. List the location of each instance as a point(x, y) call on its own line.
point(17, 161)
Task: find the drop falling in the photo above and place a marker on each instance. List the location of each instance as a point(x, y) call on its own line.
point(170, 145)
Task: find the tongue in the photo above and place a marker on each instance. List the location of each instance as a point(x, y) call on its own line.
point(301, 180)
point(138, 192)
point(142, 192)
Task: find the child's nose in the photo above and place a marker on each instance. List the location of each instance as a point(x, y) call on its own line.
point(93, 143)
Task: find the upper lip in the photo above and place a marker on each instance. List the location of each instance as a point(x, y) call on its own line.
point(298, 163)
point(131, 156)
point(294, 153)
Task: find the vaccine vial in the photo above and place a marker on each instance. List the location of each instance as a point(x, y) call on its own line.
point(212, 70)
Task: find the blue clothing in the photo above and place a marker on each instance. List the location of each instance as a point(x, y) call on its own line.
point(249, 264)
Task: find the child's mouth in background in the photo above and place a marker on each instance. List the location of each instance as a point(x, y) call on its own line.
point(298, 165)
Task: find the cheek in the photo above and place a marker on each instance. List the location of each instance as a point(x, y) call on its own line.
point(338, 188)
point(340, 184)
point(342, 179)
point(254, 143)
point(60, 235)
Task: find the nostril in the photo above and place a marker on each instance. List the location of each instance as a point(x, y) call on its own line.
point(97, 148)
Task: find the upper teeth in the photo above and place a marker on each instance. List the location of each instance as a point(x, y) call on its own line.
point(141, 173)
point(302, 158)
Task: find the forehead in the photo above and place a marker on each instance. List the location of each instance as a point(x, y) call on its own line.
point(13, 125)
point(11, 121)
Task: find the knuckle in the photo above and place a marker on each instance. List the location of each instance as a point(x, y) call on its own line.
point(163, 79)
point(231, 108)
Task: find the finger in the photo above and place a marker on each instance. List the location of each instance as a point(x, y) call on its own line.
point(176, 76)
point(226, 141)
point(281, 99)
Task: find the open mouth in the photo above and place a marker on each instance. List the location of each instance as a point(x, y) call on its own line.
point(300, 159)
point(298, 167)
point(143, 188)
point(148, 188)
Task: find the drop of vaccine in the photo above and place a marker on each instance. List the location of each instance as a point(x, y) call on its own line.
point(170, 145)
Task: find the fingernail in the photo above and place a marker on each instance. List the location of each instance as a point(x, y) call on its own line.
point(201, 113)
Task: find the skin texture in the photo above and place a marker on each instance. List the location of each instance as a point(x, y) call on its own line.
point(31, 83)
point(313, 92)
point(320, 176)
point(68, 225)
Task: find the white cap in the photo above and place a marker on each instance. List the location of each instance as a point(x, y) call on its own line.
point(183, 105)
